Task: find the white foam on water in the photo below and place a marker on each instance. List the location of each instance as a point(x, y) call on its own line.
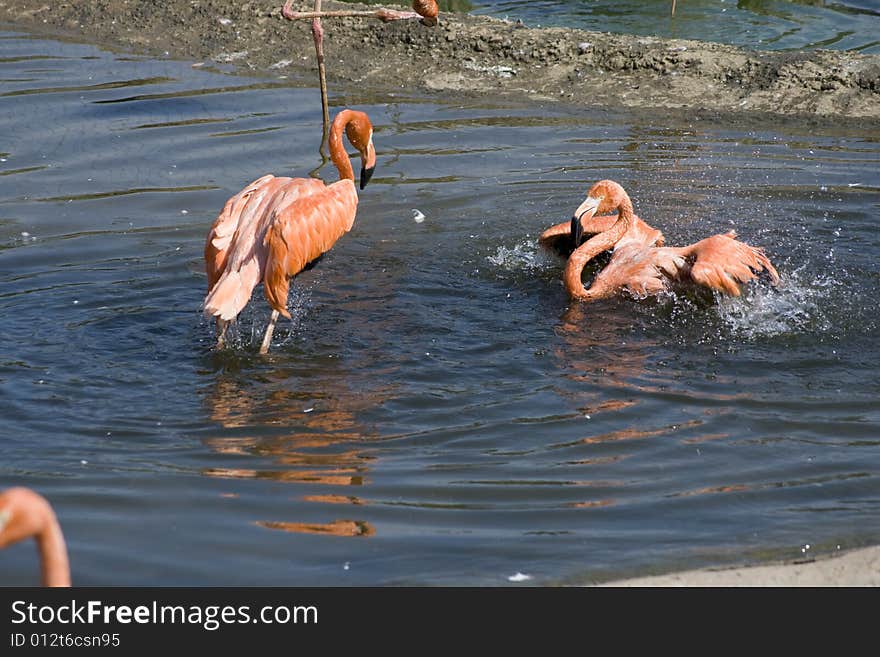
point(525, 256)
point(246, 332)
point(794, 306)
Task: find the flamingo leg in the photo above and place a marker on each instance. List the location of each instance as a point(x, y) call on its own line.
point(318, 35)
point(384, 15)
point(222, 325)
point(270, 329)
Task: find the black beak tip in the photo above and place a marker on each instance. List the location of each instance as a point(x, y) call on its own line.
point(366, 174)
point(577, 231)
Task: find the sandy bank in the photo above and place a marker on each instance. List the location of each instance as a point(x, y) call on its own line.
point(478, 55)
point(855, 568)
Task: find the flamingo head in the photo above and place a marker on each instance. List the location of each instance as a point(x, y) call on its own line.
point(428, 10)
point(604, 197)
point(359, 131)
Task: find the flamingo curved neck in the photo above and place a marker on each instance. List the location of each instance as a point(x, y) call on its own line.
point(338, 155)
point(593, 247)
point(54, 565)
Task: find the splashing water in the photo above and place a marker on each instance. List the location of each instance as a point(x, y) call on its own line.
point(794, 306)
point(525, 256)
point(246, 332)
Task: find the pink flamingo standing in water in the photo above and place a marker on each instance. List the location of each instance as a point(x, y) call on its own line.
point(276, 227)
point(639, 264)
point(25, 514)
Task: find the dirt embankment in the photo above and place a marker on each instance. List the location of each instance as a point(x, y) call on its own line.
point(477, 55)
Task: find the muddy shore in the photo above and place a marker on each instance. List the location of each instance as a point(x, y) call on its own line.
point(852, 568)
point(479, 56)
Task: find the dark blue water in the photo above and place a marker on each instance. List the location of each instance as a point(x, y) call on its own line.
point(437, 413)
point(761, 24)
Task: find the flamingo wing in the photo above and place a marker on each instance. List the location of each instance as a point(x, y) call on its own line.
point(719, 263)
point(302, 232)
point(639, 269)
point(643, 234)
point(234, 252)
point(225, 225)
point(723, 263)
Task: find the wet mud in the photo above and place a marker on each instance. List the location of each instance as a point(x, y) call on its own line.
point(470, 56)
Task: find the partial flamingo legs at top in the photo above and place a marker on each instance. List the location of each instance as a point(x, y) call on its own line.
point(719, 263)
point(276, 227)
point(25, 514)
point(427, 10)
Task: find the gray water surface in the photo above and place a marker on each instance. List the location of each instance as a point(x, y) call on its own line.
point(438, 412)
point(759, 24)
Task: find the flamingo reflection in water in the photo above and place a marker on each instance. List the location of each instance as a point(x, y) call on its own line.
point(323, 449)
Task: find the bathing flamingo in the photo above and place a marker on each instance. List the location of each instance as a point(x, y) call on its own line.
point(25, 514)
point(560, 238)
point(719, 262)
point(276, 227)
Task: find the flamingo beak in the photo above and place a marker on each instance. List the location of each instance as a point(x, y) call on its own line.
point(588, 207)
point(369, 164)
point(577, 231)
